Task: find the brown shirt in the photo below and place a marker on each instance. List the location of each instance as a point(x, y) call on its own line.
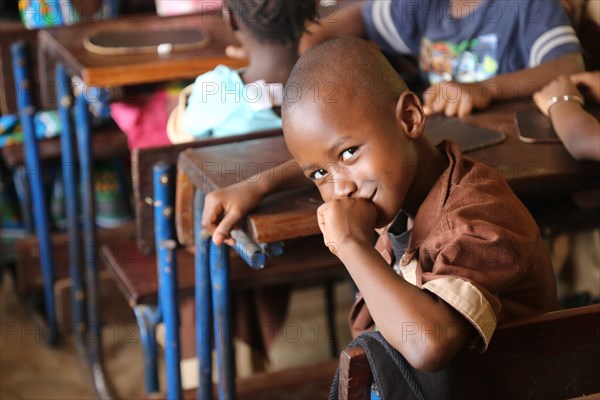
point(474, 245)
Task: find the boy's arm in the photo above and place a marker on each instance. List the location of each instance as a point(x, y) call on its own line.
point(453, 98)
point(424, 329)
point(348, 21)
point(225, 207)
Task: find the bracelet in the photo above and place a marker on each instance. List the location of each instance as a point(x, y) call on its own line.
point(564, 98)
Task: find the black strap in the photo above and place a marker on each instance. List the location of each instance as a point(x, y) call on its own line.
point(394, 377)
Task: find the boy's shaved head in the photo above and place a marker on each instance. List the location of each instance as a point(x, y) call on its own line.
point(342, 66)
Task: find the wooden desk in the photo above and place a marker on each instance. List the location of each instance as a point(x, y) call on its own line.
point(65, 44)
point(533, 171)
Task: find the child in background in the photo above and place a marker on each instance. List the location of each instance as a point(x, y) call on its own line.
point(562, 102)
point(457, 251)
point(473, 52)
point(230, 102)
point(226, 102)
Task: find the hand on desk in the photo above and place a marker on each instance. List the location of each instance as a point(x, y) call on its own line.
point(224, 208)
point(455, 99)
point(562, 102)
point(347, 221)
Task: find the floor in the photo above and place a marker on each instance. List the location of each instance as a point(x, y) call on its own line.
point(31, 370)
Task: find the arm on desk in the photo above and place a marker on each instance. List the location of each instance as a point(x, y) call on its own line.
point(460, 99)
point(578, 129)
point(224, 208)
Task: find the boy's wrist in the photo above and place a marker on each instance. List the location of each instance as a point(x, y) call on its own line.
point(349, 249)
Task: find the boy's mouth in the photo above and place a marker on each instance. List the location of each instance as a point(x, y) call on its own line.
point(369, 195)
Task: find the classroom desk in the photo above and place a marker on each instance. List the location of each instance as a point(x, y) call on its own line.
point(534, 171)
point(531, 170)
point(65, 44)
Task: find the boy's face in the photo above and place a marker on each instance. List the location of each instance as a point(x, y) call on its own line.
point(349, 150)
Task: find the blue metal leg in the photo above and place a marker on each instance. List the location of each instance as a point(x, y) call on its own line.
point(24, 195)
point(94, 324)
point(71, 204)
point(203, 303)
point(147, 318)
point(167, 262)
point(34, 172)
point(82, 124)
point(219, 275)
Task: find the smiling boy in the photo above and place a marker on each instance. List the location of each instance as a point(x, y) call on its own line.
point(465, 252)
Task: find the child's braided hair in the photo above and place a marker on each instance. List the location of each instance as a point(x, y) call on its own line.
point(275, 21)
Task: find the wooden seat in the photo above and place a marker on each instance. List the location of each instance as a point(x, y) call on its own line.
point(550, 356)
point(138, 281)
point(302, 383)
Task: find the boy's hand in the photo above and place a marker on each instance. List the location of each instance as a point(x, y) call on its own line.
point(345, 221)
point(453, 98)
point(589, 82)
point(557, 88)
point(224, 208)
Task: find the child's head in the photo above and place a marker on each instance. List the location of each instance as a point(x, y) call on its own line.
point(273, 21)
point(353, 126)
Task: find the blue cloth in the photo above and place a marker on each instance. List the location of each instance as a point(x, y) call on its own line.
point(497, 37)
point(221, 105)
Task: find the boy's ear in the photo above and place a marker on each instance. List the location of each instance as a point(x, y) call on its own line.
point(409, 114)
point(230, 19)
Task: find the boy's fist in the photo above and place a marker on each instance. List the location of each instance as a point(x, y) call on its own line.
point(347, 221)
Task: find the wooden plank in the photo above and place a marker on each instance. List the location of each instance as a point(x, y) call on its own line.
point(66, 44)
point(307, 382)
point(28, 272)
point(137, 276)
point(548, 356)
point(107, 142)
point(355, 375)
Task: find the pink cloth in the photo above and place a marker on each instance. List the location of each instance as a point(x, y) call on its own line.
point(145, 123)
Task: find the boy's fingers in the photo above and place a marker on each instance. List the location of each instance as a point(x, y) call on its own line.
point(210, 213)
point(225, 226)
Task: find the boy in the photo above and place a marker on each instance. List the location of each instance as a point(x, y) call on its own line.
point(473, 52)
point(473, 256)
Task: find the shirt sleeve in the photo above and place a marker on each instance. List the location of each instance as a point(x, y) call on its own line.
point(546, 31)
point(472, 264)
point(394, 25)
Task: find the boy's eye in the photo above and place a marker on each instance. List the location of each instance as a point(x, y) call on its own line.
point(348, 153)
point(318, 174)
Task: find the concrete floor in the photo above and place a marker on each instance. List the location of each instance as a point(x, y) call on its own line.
point(31, 370)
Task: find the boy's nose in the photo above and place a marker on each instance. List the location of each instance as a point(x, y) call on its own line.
point(343, 188)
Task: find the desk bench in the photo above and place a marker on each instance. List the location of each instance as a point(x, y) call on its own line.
point(549, 356)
